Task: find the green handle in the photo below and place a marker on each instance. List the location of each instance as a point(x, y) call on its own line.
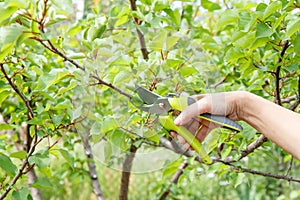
point(167, 123)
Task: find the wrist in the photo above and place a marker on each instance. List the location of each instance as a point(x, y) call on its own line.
point(243, 102)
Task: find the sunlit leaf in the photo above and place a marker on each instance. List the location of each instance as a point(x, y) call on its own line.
point(19, 154)
point(273, 7)
point(293, 27)
point(263, 30)
point(226, 18)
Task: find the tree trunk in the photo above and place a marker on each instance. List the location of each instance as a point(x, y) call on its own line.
point(35, 193)
point(126, 173)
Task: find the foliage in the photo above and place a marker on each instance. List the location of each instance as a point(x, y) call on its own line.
point(64, 76)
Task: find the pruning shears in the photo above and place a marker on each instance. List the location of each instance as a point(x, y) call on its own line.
point(163, 106)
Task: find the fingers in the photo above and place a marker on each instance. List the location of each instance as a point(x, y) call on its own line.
point(198, 127)
point(193, 111)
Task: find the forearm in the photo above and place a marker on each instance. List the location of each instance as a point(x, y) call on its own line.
point(278, 124)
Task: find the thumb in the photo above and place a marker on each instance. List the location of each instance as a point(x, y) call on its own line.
point(192, 111)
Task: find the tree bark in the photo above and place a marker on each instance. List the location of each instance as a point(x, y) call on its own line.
point(127, 164)
point(92, 167)
point(35, 193)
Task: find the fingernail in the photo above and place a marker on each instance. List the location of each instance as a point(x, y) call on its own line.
point(177, 121)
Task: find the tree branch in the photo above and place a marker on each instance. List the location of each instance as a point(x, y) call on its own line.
point(28, 144)
point(265, 174)
point(126, 171)
point(215, 85)
point(252, 146)
point(16, 89)
point(139, 33)
point(21, 169)
point(277, 73)
point(174, 180)
point(167, 144)
point(102, 82)
point(289, 99)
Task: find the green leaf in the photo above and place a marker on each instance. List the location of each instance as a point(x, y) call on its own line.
point(96, 32)
point(210, 6)
point(273, 7)
point(67, 156)
point(245, 21)
point(6, 12)
point(43, 183)
point(263, 30)
point(151, 135)
point(75, 56)
point(53, 77)
point(187, 71)
point(122, 20)
point(240, 179)
point(96, 132)
point(6, 49)
point(174, 15)
point(7, 165)
point(109, 124)
point(19, 154)
point(233, 54)
point(21, 194)
point(10, 34)
point(259, 42)
point(297, 44)
point(122, 77)
point(293, 27)
point(118, 138)
point(63, 90)
point(76, 113)
point(245, 41)
point(6, 127)
point(171, 168)
point(40, 159)
point(171, 41)
point(158, 41)
point(36, 120)
point(226, 152)
point(228, 17)
point(147, 2)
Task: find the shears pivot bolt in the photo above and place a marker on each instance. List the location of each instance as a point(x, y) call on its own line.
point(161, 105)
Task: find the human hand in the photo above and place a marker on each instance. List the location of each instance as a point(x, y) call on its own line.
point(228, 104)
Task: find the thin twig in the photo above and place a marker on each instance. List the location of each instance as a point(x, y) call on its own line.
point(16, 89)
point(265, 174)
point(277, 72)
point(102, 82)
point(219, 82)
point(289, 99)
